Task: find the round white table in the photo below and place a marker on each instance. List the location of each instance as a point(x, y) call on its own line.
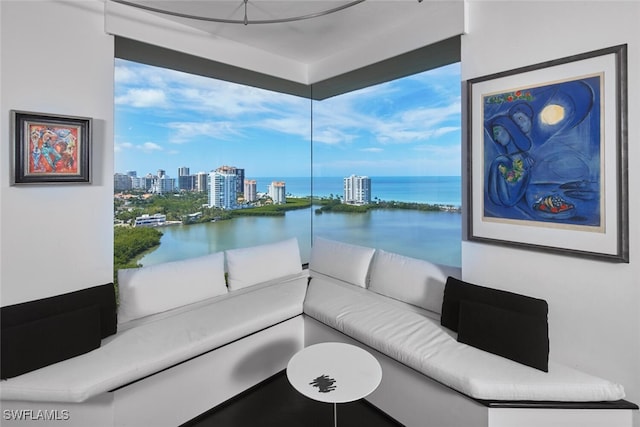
point(334, 372)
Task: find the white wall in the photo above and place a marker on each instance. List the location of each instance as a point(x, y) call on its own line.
point(594, 306)
point(56, 58)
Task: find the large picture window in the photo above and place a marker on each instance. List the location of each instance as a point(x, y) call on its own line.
point(386, 166)
point(203, 165)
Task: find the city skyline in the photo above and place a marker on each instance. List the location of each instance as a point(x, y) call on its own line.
point(167, 119)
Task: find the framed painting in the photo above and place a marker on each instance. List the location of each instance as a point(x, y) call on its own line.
point(51, 149)
point(547, 156)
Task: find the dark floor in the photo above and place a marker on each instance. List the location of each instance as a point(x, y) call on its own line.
point(275, 403)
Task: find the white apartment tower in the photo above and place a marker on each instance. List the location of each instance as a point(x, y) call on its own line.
point(201, 182)
point(163, 184)
point(277, 192)
point(357, 190)
point(250, 190)
point(222, 190)
point(236, 171)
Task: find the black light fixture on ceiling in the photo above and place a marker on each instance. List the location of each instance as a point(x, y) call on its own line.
point(246, 20)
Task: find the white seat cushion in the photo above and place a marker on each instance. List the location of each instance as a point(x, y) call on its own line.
point(150, 347)
point(414, 281)
point(422, 344)
point(346, 262)
point(157, 288)
point(257, 264)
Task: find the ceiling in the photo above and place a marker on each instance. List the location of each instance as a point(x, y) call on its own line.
point(314, 50)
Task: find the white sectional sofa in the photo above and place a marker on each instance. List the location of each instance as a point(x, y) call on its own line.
point(391, 305)
point(190, 338)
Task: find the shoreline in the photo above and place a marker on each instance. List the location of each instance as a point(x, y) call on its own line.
point(389, 225)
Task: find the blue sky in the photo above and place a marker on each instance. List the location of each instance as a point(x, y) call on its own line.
point(166, 119)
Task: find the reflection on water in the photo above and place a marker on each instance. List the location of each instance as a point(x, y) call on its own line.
point(434, 236)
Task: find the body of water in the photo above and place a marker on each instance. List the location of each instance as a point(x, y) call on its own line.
point(435, 236)
point(444, 190)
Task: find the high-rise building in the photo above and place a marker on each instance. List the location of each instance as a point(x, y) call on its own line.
point(222, 190)
point(240, 181)
point(236, 171)
point(250, 190)
point(139, 183)
point(121, 182)
point(277, 192)
point(201, 182)
point(357, 190)
point(163, 184)
point(186, 182)
point(148, 182)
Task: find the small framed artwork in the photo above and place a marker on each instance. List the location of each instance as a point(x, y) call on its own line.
point(547, 156)
point(51, 149)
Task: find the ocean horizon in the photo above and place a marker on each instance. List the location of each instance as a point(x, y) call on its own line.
point(437, 190)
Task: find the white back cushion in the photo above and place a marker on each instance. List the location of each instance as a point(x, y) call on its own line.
point(414, 281)
point(343, 261)
point(257, 264)
point(156, 288)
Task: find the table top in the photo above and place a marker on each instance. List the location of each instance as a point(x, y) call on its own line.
point(334, 372)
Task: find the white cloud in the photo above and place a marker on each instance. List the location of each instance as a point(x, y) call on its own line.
point(142, 98)
point(125, 75)
point(149, 147)
point(290, 125)
point(187, 131)
point(445, 130)
point(432, 116)
point(419, 110)
point(122, 146)
point(373, 112)
point(190, 92)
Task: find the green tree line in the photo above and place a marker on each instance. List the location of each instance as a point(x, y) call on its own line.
point(332, 204)
point(175, 206)
point(131, 242)
point(178, 207)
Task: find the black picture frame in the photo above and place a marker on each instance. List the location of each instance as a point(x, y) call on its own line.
point(51, 149)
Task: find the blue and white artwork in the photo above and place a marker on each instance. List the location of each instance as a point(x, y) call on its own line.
point(543, 153)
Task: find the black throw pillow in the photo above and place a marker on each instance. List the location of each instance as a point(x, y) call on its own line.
point(517, 336)
point(45, 341)
point(104, 296)
point(505, 323)
point(456, 290)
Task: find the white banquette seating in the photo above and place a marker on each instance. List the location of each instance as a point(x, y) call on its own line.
point(391, 305)
point(190, 337)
